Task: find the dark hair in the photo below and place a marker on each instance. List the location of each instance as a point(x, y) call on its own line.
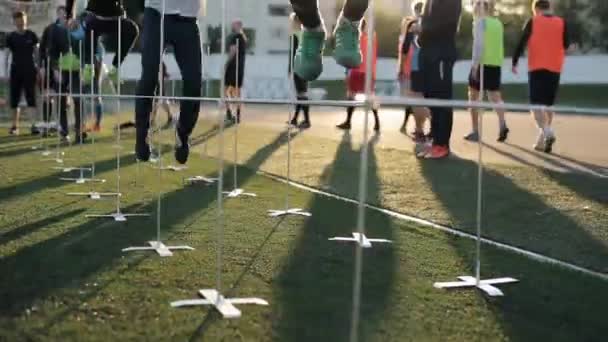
point(542, 4)
point(19, 15)
point(418, 6)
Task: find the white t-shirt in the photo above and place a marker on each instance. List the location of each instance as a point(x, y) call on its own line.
point(185, 8)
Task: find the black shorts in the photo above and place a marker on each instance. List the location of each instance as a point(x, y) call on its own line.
point(543, 86)
point(491, 78)
point(22, 81)
point(231, 79)
point(417, 81)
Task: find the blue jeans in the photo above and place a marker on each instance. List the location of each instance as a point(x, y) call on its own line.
point(183, 34)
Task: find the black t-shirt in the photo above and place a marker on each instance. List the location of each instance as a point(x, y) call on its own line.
point(22, 47)
point(242, 47)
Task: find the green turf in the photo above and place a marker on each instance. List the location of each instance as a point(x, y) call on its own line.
point(64, 277)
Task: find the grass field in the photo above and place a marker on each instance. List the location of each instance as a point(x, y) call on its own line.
point(65, 278)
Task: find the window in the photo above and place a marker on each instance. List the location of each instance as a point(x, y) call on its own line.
point(278, 33)
point(276, 10)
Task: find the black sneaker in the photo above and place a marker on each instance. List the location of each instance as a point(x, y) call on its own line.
point(345, 126)
point(80, 140)
point(182, 148)
point(13, 131)
point(472, 137)
point(549, 141)
point(304, 125)
point(503, 135)
point(142, 148)
point(293, 122)
point(34, 130)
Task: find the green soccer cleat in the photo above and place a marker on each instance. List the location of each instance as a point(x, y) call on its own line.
point(347, 52)
point(88, 74)
point(112, 74)
point(308, 61)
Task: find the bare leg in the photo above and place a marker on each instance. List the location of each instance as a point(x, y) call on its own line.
point(474, 96)
point(496, 97)
point(16, 116)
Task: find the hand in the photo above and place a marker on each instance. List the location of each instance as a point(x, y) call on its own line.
point(72, 24)
point(514, 70)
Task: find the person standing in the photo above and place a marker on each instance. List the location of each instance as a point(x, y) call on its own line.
point(411, 77)
point(488, 53)
point(102, 17)
point(355, 79)
point(22, 47)
point(410, 27)
point(300, 85)
point(437, 41)
point(547, 39)
point(181, 31)
point(234, 70)
point(308, 63)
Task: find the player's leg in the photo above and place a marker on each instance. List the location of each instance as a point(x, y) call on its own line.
point(185, 34)
point(308, 61)
point(150, 60)
point(474, 85)
point(346, 51)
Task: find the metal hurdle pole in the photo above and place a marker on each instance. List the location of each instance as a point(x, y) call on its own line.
point(46, 108)
point(359, 236)
point(82, 179)
point(214, 297)
point(58, 152)
point(487, 285)
point(118, 215)
point(236, 191)
point(288, 210)
point(94, 195)
point(201, 178)
point(158, 246)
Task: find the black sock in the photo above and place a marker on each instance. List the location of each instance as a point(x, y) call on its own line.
point(349, 113)
point(228, 113)
point(376, 118)
point(296, 113)
point(306, 113)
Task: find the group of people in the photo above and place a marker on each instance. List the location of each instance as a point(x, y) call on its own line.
point(427, 53)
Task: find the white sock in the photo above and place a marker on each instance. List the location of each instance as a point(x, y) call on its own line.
point(548, 131)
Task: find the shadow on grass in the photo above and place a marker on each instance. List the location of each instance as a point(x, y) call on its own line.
point(548, 303)
point(21, 231)
point(66, 261)
point(512, 214)
point(314, 290)
point(52, 181)
point(582, 182)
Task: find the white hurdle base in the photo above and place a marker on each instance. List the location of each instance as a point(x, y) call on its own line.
point(361, 239)
point(82, 180)
point(486, 285)
point(56, 160)
point(46, 153)
point(200, 179)
point(237, 193)
point(174, 168)
point(118, 216)
point(159, 247)
point(95, 195)
point(67, 169)
point(226, 306)
point(294, 211)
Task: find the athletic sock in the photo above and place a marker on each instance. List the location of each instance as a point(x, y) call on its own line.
point(502, 124)
point(306, 113)
point(349, 113)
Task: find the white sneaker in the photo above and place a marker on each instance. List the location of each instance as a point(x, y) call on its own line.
point(540, 142)
point(422, 149)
